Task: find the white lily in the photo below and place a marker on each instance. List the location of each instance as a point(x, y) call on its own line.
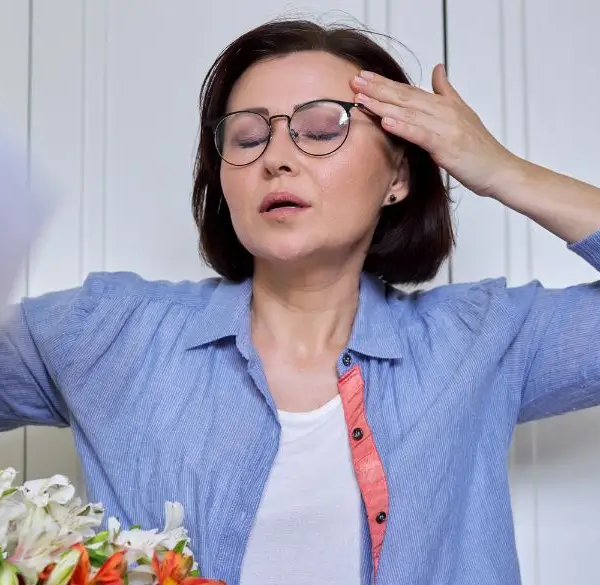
point(174, 532)
point(139, 544)
point(53, 489)
point(75, 517)
point(42, 520)
point(38, 543)
point(7, 476)
point(11, 510)
point(140, 575)
point(143, 543)
point(173, 516)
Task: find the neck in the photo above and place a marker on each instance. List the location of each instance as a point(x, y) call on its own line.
point(305, 314)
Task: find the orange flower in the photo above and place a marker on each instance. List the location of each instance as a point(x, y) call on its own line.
point(110, 573)
point(45, 573)
point(175, 568)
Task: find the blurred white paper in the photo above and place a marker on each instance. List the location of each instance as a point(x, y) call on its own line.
point(22, 215)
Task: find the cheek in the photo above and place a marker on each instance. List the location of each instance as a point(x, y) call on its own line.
point(355, 187)
point(234, 183)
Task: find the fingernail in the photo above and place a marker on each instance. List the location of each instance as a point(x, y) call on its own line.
point(388, 121)
point(367, 74)
point(361, 97)
point(360, 81)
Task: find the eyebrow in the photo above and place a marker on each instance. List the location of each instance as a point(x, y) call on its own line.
point(265, 111)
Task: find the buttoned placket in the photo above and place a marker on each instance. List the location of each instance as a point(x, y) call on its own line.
point(367, 463)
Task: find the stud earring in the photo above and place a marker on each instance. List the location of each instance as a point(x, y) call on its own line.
point(392, 199)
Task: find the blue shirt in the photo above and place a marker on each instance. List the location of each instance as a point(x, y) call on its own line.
point(167, 400)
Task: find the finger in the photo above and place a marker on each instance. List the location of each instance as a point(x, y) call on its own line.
point(410, 132)
point(393, 92)
point(404, 114)
point(441, 84)
point(411, 125)
point(384, 109)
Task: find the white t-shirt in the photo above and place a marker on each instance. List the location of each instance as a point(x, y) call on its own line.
point(308, 527)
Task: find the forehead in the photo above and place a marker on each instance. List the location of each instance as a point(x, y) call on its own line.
point(279, 83)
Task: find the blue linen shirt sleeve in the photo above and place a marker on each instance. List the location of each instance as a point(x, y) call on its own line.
point(561, 340)
point(36, 344)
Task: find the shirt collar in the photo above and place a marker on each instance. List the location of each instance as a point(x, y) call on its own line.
point(375, 330)
point(227, 314)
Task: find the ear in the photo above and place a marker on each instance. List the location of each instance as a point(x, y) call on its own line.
point(400, 184)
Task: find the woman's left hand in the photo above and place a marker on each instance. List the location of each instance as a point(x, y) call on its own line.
point(444, 125)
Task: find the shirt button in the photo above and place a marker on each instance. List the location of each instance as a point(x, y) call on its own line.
point(381, 518)
point(357, 434)
point(347, 359)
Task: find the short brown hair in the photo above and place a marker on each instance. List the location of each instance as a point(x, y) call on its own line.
point(412, 238)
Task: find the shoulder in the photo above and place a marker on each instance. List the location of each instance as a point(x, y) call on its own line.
point(110, 309)
point(469, 303)
point(109, 297)
point(132, 286)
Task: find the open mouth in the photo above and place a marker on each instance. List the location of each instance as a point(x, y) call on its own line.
point(284, 205)
point(282, 201)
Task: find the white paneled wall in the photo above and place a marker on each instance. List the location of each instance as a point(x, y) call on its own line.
point(104, 93)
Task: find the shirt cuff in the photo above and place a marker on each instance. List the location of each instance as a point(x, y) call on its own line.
point(588, 248)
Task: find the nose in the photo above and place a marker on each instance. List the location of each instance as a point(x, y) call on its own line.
point(281, 153)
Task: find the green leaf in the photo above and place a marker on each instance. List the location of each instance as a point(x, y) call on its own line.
point(62, 573)
point(8, 574)
point(8, 492)
point(136, 527)
point(180, 546)
point(100, 537)
point(97, 559)
point(195, 573)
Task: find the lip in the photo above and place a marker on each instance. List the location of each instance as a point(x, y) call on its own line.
point(282, 197)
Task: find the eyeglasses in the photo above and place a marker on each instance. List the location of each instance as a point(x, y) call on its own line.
point(317, 128)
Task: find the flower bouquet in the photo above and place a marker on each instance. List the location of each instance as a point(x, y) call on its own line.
point(48, 537)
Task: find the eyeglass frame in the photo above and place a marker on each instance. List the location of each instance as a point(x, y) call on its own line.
point(347, 106)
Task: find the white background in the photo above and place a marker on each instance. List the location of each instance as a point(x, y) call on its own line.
point(104, 93)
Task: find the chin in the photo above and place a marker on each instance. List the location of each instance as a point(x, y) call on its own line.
point(285, 250)
point(283, 255)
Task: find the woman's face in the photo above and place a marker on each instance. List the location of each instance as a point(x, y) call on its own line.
point(340, 194)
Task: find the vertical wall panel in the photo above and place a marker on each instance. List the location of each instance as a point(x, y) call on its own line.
point(376, 14)
point(514, 129)
point(474, 68)
point(93, 195)
point(56, 137)
point(14, 84)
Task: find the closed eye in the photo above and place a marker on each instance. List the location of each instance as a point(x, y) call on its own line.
point(250, 143)
point(322, 135)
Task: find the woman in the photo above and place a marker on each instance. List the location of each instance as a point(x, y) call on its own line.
point(318, 425)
